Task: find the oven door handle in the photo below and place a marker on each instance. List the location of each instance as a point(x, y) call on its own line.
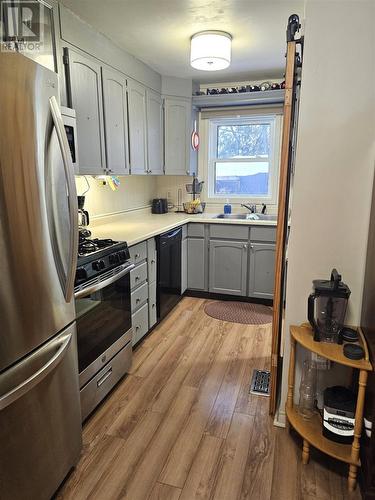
point(102, 284)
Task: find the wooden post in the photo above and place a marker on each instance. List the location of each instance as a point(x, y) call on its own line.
point(281, 229)
point(352, 478)
point(305, 452)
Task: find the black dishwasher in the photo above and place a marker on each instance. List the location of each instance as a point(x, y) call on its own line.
point(169, 271)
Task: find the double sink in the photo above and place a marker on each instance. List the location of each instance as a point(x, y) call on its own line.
point(249, 216)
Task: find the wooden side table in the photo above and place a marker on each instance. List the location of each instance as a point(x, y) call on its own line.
point(311, 429)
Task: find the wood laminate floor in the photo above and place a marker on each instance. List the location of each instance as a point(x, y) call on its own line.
point(182, 425)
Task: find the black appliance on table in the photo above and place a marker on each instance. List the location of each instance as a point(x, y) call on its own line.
point(169, 271)
point(159, 206)
point(103, 312)
point(338, 414)
point(327, 308)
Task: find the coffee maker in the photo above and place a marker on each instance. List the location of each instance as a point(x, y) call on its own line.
point(327, 308)
point(83, 218)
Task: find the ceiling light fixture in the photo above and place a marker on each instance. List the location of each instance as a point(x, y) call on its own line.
point(210, 50)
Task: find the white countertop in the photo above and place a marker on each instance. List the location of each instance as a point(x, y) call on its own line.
point(137, 226)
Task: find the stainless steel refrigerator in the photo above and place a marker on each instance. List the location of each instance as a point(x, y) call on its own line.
point(40, 424)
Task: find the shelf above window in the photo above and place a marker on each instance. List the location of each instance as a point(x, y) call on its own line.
point(266, 97)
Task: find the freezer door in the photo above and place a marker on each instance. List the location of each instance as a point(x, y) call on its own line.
point(40, 420)
point(38, 210)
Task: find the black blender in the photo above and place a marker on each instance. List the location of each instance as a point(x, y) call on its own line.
point(327, 308)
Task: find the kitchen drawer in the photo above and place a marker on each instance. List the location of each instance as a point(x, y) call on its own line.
point(229, 232)
point(152, 310)
point(95, 390)
point(138, 252)
point(151, 259)
point(140, 323)
point(138, 275)
point(139, 297)
point(263, 233)
point(196, 230)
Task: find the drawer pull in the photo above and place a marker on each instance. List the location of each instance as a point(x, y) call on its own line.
point(137, 278)
point(104, 377)
point(153, 305)
point(136, 256)
point(136, 328)
point(137, 301)
point(153, 261)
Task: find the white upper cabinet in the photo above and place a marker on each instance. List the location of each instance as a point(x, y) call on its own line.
point(154, 133)
point(177, 123)
point(137, 127)
point(85, 92)
point(115, 121)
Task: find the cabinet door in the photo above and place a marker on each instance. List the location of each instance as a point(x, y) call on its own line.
point(196, 263)
point(154, 133)
point(177, 136)
point(228, 267)
point(152, 309)
point(262, 270)
point(137, 127)
point(85, 89)
point(184, 265)
point(115, 121)
point(151, 260)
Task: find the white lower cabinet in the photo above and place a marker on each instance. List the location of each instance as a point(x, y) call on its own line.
point(152, 308)
point(139, 296)
point(140, 323)
point(262, 270)
point(228, 267)
point(184, 265)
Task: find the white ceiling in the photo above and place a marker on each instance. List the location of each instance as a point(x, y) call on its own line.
point(158, 32)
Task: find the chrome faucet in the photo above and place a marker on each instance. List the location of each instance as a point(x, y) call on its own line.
point(251, 208)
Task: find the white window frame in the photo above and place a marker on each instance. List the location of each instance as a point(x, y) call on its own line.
point(274, 159)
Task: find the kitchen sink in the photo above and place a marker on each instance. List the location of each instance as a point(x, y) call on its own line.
point(247, 217)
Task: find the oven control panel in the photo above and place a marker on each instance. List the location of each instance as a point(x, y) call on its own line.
point(101, 262)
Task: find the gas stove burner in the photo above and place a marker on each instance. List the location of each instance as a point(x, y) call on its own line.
point(103, 243)
point(87, 246)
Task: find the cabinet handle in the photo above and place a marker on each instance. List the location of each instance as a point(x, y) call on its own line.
point(136, 328)
point(136, 256)
point(153, 305)
point(244, 246)
point(137, 301)
point(152, 261)
point(252, 247)
point(137, 278)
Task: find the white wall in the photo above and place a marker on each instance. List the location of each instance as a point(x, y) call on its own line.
point(335, 157)
point(135, 192)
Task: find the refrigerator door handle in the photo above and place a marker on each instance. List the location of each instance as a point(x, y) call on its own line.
point(25, 386)
point(69, 175)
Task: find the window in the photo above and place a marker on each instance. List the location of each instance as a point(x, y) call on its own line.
point(243, 158)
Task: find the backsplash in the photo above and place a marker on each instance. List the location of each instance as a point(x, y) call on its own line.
point(134, 192)
point(170, 184)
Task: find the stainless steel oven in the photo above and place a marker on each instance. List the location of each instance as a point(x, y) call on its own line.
point(104, 333)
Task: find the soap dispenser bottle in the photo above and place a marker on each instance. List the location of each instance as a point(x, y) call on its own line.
point(227, 207)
